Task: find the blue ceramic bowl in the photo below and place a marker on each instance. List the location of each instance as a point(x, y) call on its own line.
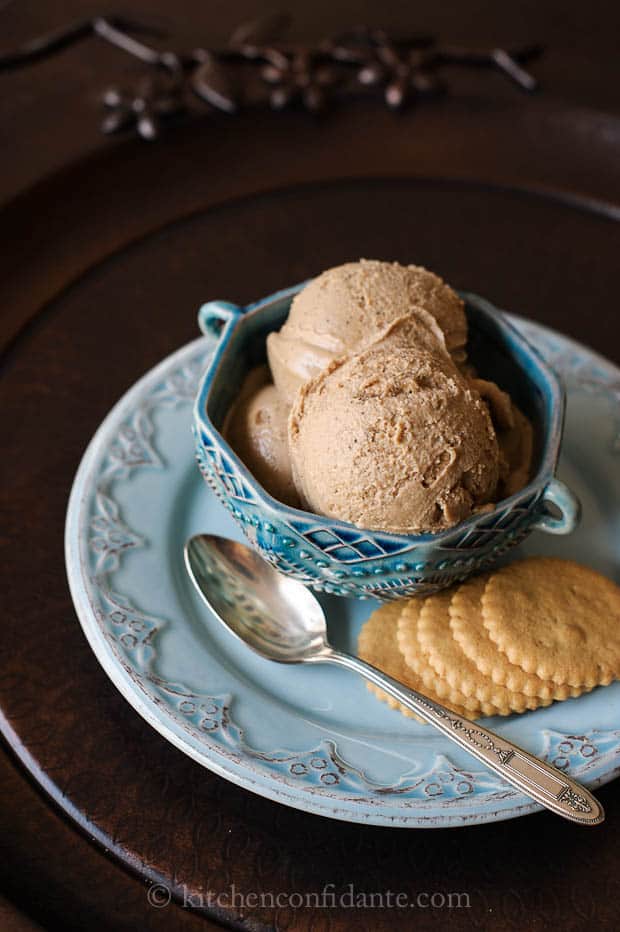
point(337, 557)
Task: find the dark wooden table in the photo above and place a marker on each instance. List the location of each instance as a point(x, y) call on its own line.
point(107, 248)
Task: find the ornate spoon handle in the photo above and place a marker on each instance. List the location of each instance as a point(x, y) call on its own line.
point(541, 781)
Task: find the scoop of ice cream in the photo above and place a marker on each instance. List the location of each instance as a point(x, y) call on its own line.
point(393, 441)
point(417, 330)
point(342, 310)
point(515, 437)
point(256, 428)
point(498, 401)
point(516, 446)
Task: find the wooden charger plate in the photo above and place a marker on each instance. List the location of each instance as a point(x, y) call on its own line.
point(106, 266)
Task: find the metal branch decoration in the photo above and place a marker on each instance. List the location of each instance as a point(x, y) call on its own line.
point(257, 68)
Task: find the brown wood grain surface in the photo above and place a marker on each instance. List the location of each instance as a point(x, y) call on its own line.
point(107, 249)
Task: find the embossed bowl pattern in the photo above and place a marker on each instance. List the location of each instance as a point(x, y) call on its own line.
point(337, 557)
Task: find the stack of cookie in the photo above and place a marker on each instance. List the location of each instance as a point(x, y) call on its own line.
point(536, 631)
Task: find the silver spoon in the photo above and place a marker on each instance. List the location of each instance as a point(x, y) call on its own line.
point(281, 620)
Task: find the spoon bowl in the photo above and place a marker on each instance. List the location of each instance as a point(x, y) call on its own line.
point(273, 614)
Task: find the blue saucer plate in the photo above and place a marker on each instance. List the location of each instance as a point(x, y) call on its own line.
point(314, 738)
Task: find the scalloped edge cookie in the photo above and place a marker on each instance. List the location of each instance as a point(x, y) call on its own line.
point(475, 642)
point(417, 659)
point(557, 619)
point(377, 645)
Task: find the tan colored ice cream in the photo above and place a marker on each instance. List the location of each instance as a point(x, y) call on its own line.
point(256, 428)
point(394, 439)
point(515, 437)
point(516, 446)
point(416, 330)
point(343, 310)
point(389, 428)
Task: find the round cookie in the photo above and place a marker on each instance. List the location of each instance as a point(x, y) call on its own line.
point(475, 642)
point(377, 645)
point(417, 658)
point(446, 657)
point(556, 619)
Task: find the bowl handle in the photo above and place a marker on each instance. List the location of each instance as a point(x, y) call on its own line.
point(217, 318)
point(561, 496)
